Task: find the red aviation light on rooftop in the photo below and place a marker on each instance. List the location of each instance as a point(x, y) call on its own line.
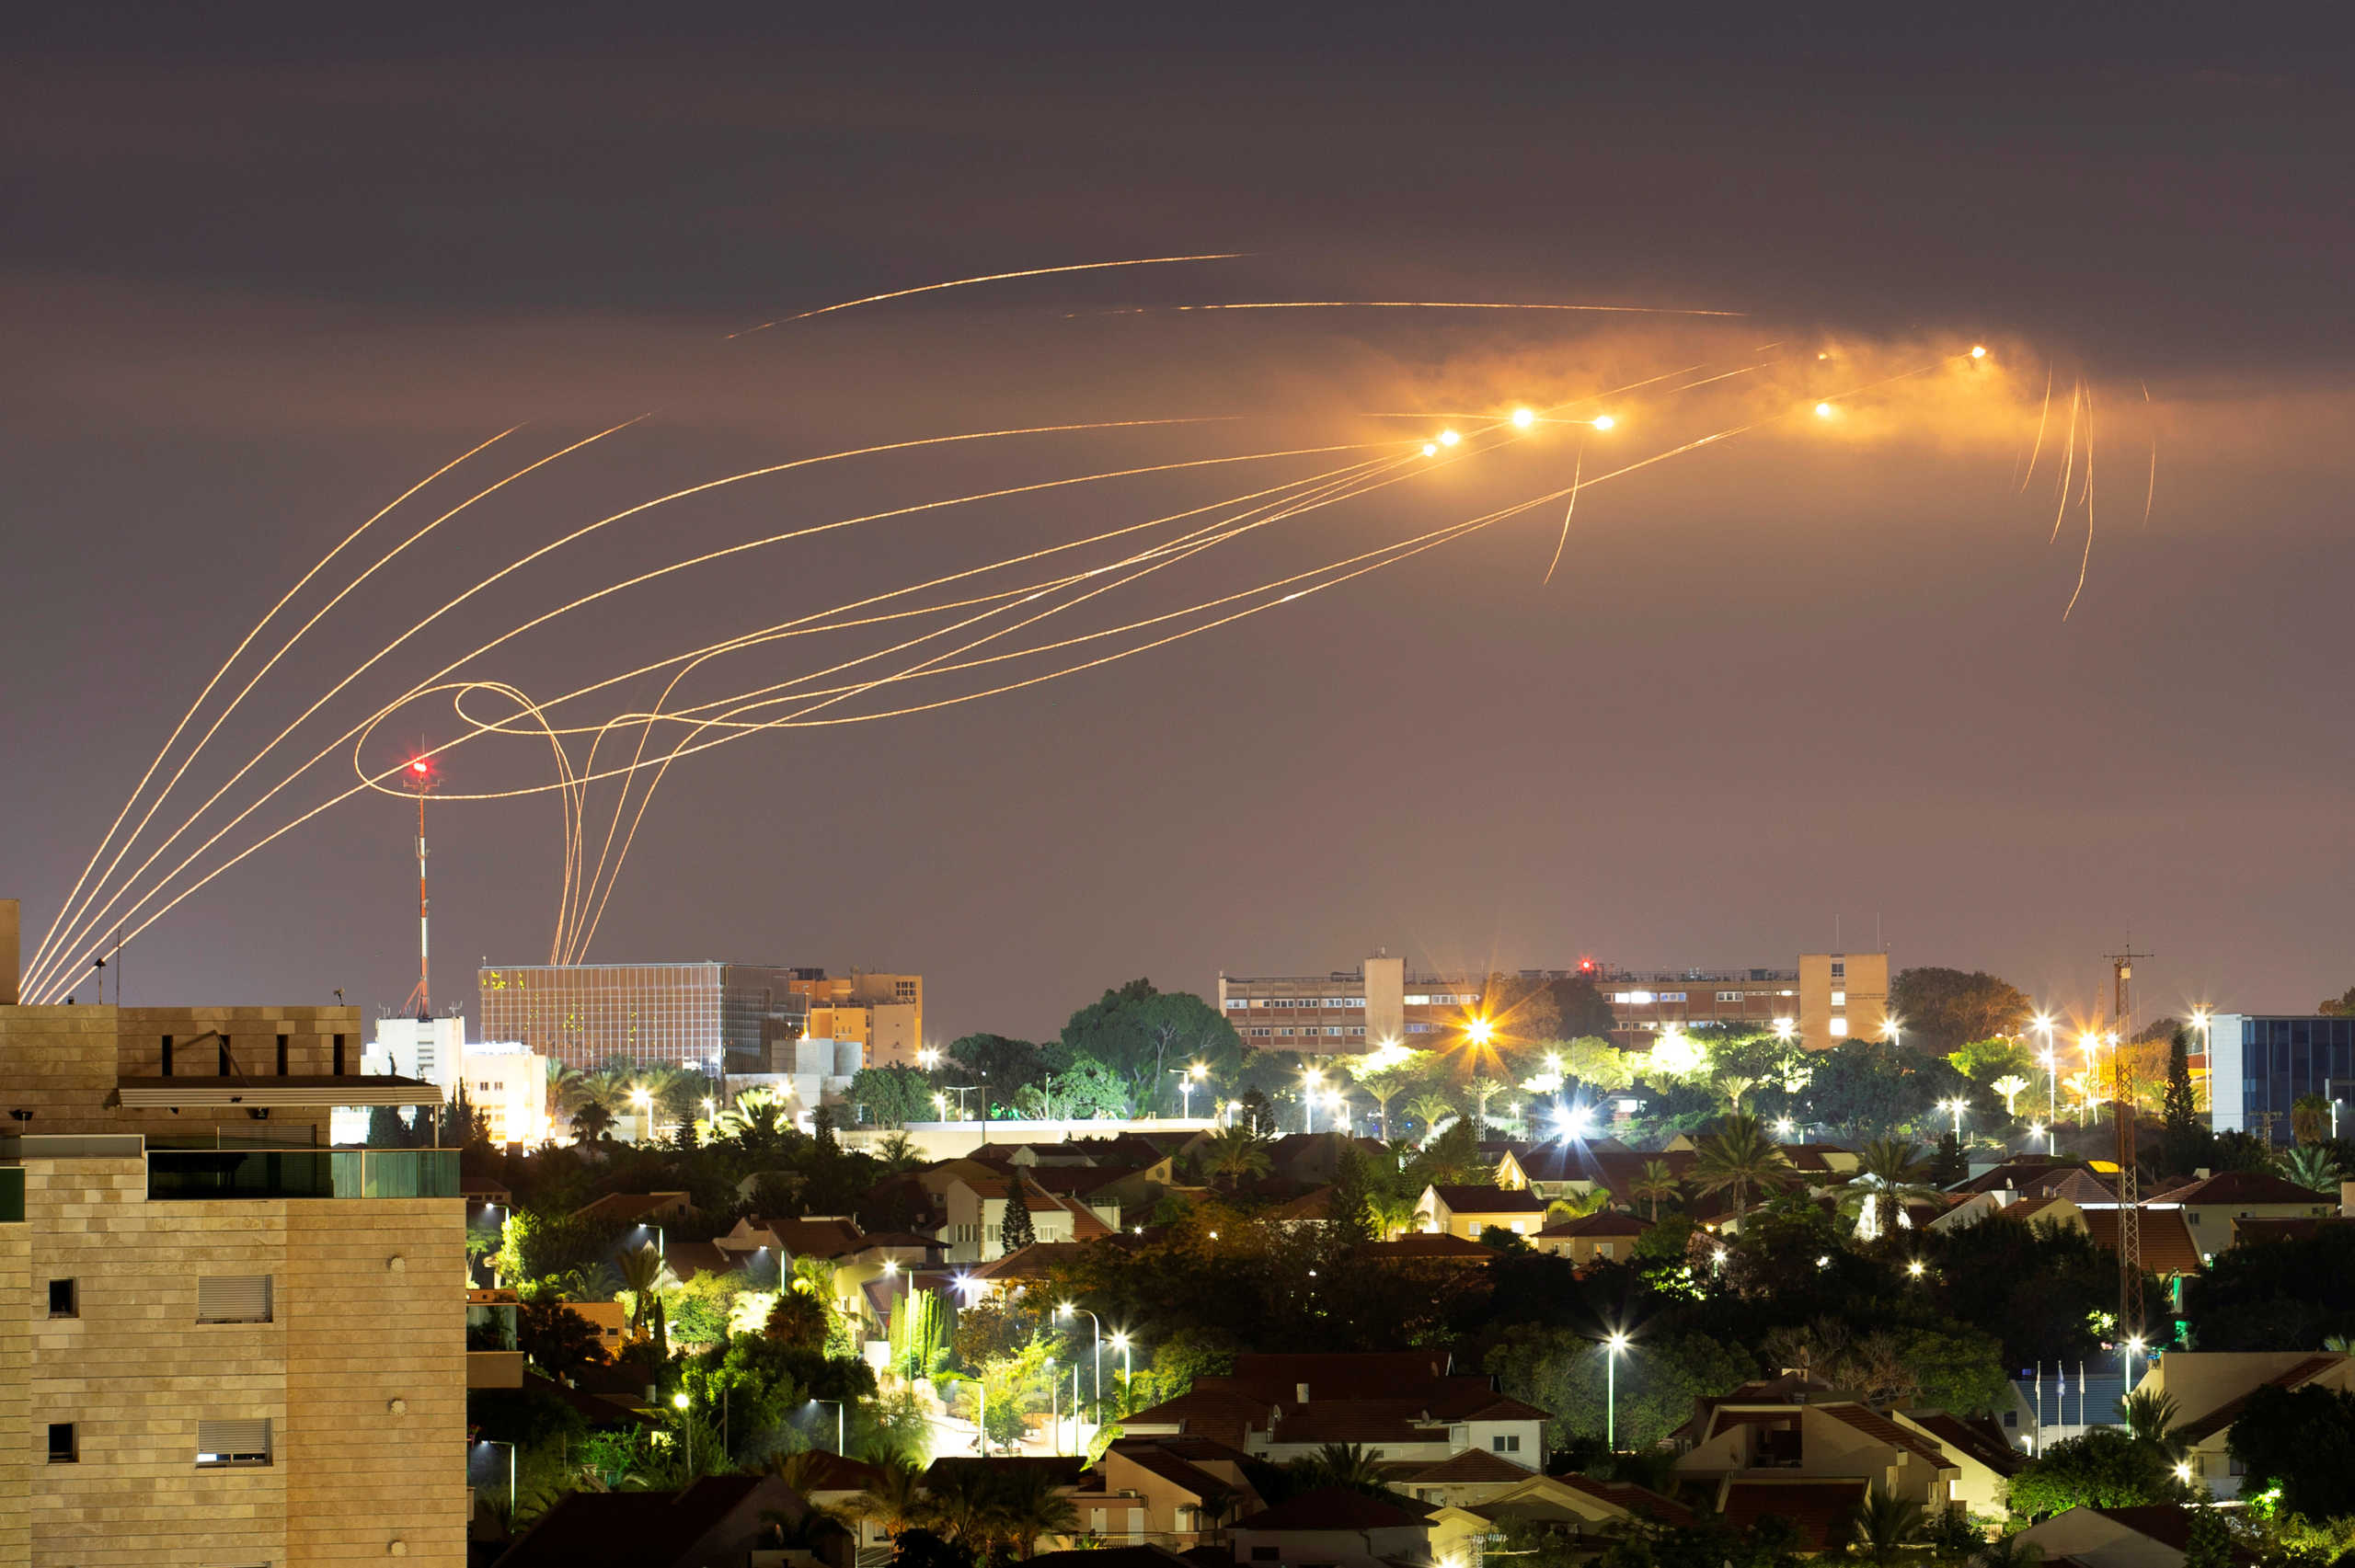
point(421, 766)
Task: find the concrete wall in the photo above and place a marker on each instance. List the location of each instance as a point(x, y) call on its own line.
point(1864, 986)
point(61, 1063)
point(136, 1372)
point(17, 1433)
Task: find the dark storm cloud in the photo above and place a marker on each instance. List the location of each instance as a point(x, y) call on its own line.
point(263, 266)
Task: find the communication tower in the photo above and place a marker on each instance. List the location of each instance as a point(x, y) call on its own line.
point(420, 777)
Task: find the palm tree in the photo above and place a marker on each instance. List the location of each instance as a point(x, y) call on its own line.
point(2312, 1167)
point(591, 1120)
point(1737, 1157)
point(964, 1505)
point(1030, 1503)
point(2151, 1416)
point(1391, 1212)
point(1351, 1465)
point(899, 1154)
point(2310, 1118)
point(1578, 1206)
point(2009, 1087)
point(1431, 1108)
point(896, 1498)
point(1883, 1525)
point(1653, 1183)
point(1232, 1153)
point(1733, 1086)
point(1482, 1090)
point(1887, 1177)
point(644, 1276)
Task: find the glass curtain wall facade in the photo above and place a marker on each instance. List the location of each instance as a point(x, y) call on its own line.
point(591, 1016)
point(2259, 1067)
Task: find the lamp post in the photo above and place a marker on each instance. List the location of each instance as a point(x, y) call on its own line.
point(1064, 1310)
point(2127, 1352)
point(688, 1428)
point(495, 1443)
point(1615, 1347)
point(1128, 1370)
point(1186, 1078)
point(840, 1435)
point(1054, 1409)
point(1310, 1077)
point(1958, 1106)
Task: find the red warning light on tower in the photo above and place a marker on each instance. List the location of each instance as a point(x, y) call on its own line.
point(421, 766)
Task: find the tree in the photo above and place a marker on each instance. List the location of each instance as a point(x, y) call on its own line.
point(1030, 1503)
point(798, 1320)
point(2009, 1086)
point(1889, 1175)
point(2312, 1166)
point(555, 1338)
point(1563, 1371)
point(2210, 1544)
point(2278, 1295)
point(1431, 1108)
point(1867, 1089)
point(1738, 1156)
point(891, 1097)
point(2340, 1006)
point(2302, 1441)
point(591, 1121)
point(1943, 1008)
point(1352, 1467)
point(1385, 1084)
point(1983, 1061)
point(1233, 1154)
point(2152, 1416)
point(2011, 1552)
point(2104, 1468)
point(1141, 1033)
point(644, 1276)
point(1884, 1526)
point(1580, 1011)
point(2183, 1142)
point(1654, 1182)
point(1016, 1232)
point(2310, 1118)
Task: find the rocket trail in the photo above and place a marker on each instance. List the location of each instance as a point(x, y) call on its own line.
point(988, 278)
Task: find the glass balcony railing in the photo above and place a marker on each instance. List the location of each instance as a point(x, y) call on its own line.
point(233, 1173)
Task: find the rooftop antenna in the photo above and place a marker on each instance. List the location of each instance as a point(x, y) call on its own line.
point(421, 778)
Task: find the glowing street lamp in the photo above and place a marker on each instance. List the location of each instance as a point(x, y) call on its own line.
point(1891, 1027)
point(1958, 1106)
point(928, 1058)
point(1128, 1371)
point(1617, 1347)
point(2130, 1350)
point(681, 1401)
point(1186, 1078)
point(1310, 1077)
point(1479, 1032)
point(1913, 1269)
point(1064, 1310)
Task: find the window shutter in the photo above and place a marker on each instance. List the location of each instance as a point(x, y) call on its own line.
point(233, 1299)
point(233, 1442)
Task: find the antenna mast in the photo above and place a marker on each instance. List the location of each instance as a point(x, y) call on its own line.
point(421, 779)
point(2129, 1212)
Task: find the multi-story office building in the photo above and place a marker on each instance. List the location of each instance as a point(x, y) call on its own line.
point(1348, 1010)
point(222, 1341)
point(2260, 1065)
point(719, 1017)
point(1831, 997)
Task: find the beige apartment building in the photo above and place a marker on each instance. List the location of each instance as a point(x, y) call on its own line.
point(1829, 998)
point(222, 1344)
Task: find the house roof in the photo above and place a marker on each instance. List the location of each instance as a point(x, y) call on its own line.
point(628, 1207)
point(1874, 1425)
point(1317, 1203)
point(1472, 1199)
point(1472, 1467)
point(1426, 1245)
point(1337, 1374)
point(1163, 1460)
point(2260, 1228)
point(2249, 1186)
point(1820, 1509)
point(1033, 1261)
point(2201, 1428)
point(1357, 1421)
point(1633, 1498)
point(2169, 1524)
point(688, 1259)
point(2017, 1174)
point(642, 1529)
point(1980, 1439)
point(1602, 1222)
point(826, 1237)
point(1062, 1469)
point(1331, 1508)
point(2168, 1248)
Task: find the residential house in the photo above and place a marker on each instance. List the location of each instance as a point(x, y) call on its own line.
point(2214, 1207)
point(610, 1319)
point(1463, 1480)
point(2155, 1535)
point(1171, 1491)
point(2210, 1388)
point(719, 1519)
point(1331, 1528)
point(976, 1207)
point(643, 1209)
point(1979, 1447)
point(1770, 1433)
point(1405, 1406)
point(1605, 1235)
point(860, 1259)
point(1466, 1211)
point(1428, 1246)
point(1578, 1510)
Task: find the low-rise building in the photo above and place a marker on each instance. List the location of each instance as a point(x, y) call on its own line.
point(1770, 1433)
point(1604, 1236)
point(1465, 1211)
point(976, 1207)
point(2210, 1388)
point(2214, 1207)
point(1332, 1525)
point(2155, 1535)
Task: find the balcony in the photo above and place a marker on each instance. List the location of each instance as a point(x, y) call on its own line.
point(216, 1174)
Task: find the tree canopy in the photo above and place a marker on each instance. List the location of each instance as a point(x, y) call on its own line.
point(1942, 1009)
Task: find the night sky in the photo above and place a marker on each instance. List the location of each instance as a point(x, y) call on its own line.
point(263, 270)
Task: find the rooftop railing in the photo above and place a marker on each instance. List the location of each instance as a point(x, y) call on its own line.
point(235, 1174)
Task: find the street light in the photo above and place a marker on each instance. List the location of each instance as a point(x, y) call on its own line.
point(2130, 1350)
point(1913, 1269)
point(1616, 1346)
point(1891, 1027)
point(840, 1446)
point(1066, 1309)
point(495, 1443)
point(928, 1058)
point(1128, 1370)
point(1479, 1032)
point(1186, 1078)
point(686, 1426)
point(1958, 1106)
point(1310, 1077)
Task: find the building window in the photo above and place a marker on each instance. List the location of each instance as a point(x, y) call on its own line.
point(167, 1056)
point(1839, 1028)
point(62, 1449)
point(1839, 998)
point(233, 1299)
point(1265, 1553)
point(220, 1444)
point(64, 1298)
point(1728, 996)
point(1504, 1444)
point(338, 1068)
point(227, 1067)
point(1839, 969)
point(282, 1056)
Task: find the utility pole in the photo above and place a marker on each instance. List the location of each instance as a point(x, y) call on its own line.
point(2130, 1213)
point(420, 778)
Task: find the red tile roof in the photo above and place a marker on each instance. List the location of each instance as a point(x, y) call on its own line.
point(1469, 1199)
point(1633, 1498)
point(1820, 1509)
point(2249, 1186)
point(1331, 1508)
point(1603, 1222)
point(1472, 1467)
point(2169, 1524)
point(2167, 1247)
point(1427, 1244)
point(1980, 1438)
point(2206, 1426)
point(1874, 1425)
point(1339, 1374)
